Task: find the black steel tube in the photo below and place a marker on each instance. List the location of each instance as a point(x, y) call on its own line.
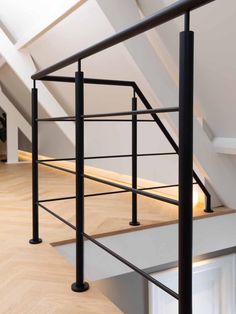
point(79, 285)
point(174, 145)
point(57, 216)
point(187, 21)
point(142, 189)
point(57, 199)
point(161, 187)
point(106, 156)
point(143, 193)
point(156, 154)
point(134, 221)
point(117, 120)
point(55, 78)
point(57, 167)
point(185, 171)
point(128, 155)
point(55, 159)
point(105, 193)
point(35, 185)
point(156, 118)
point(132, 266)
point(108, 82)
point(128, 113)
point(108, 193)
point(60, 119)
point(93, 81)
point(169, 13)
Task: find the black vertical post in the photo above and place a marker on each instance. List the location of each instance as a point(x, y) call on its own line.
point(35, 186)
point(208, 208)
point(134, 221)
point(185, 167)
point(79, 285)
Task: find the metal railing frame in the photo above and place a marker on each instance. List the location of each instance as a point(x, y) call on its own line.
point(185, 149)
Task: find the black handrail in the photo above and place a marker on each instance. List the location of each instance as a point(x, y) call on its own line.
point(169, 13)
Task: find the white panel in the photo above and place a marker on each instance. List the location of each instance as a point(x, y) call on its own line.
point(213, 288)
point(159, 246)
point(20, 17)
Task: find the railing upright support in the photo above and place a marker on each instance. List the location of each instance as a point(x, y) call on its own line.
point(79, 285)
point(134, 221)
point(185, 167)
point(35, 186)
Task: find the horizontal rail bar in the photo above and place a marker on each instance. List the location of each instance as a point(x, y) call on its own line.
point(162, 187)
point(132, 266)
point(108, 82)
point(105, 156)
point(55, 159)
point(117, 120)
point(123, 187)
point(162, 16)
point(142, 189)
point(57, 167)
point(129, 155)
point(57, 216)
point(93, 81)
point(55, 78)
point(105, 193)
point(143, 193)
point(108, 193)
point(112, 114)
point(62, 119)
point(127, 113)
point(57, 199)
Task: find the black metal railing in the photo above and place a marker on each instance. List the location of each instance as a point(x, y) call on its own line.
point(155, 118)
point(184, 151)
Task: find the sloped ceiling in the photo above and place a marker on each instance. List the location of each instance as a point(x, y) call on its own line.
point(215, 66)
point(19, 17)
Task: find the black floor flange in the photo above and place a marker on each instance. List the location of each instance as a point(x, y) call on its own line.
point(80, 288)
point(137, 223)
point(32, 241)
point(208, 211)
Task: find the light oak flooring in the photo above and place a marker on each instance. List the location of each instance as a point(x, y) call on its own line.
point(36, 278)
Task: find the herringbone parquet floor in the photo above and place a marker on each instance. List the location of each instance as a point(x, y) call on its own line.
point(37, 279)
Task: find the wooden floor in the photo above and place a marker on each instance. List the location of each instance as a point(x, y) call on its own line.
point(36, 279)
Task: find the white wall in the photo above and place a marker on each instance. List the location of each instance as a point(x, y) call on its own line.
point(214, 282)
point(114, 63)
point(19, 19)
point(129, 292)
point(18, 94)
point(153, 247)
point(215, 69)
